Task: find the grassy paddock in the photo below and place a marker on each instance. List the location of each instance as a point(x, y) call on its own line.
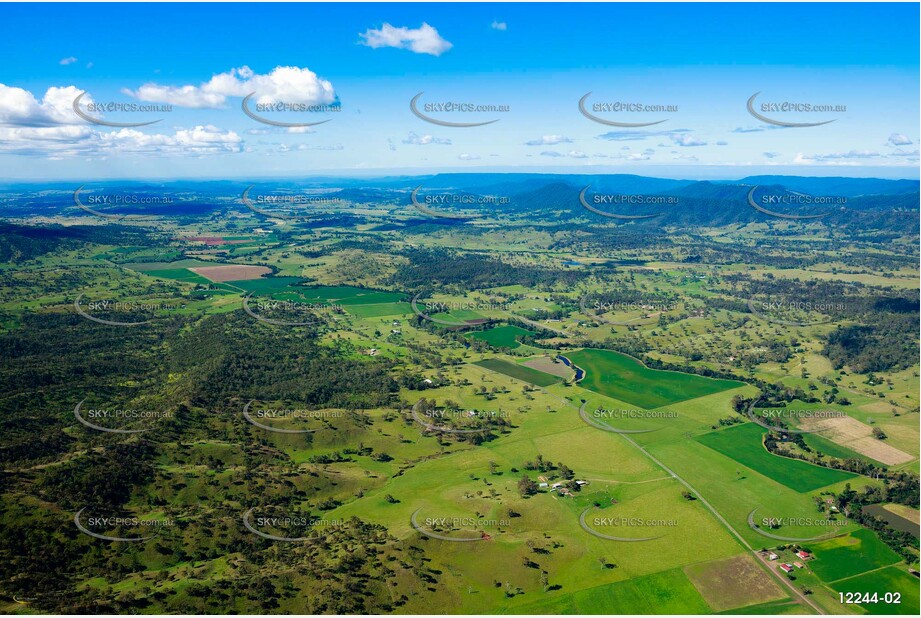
point(623, 377)
point(743, 444)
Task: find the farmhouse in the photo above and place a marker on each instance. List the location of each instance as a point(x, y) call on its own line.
point(772, 556)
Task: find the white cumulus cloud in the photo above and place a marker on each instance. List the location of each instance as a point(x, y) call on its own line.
point(422, 40)
point(20, 108)
point(283, 84)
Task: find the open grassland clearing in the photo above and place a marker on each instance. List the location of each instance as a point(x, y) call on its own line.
point(682, 530)
point(602, 411)
point(677, 421)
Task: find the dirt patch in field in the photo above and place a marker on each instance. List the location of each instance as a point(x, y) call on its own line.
point(548, 366)
point(857, 436)
point(231, 272)
point(733, 582)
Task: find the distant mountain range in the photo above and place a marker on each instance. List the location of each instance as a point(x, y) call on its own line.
point(870, 203)
point(514, 183)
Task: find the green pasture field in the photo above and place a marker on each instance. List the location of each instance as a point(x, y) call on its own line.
point(459, 316)
point(379, 310)
point(850, 555)
point(505, 336)
point(668, 592)
point(627, 379)
point(891, 580)
point(743, 444)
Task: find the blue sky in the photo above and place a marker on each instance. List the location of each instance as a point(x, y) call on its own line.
point(701, 61)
